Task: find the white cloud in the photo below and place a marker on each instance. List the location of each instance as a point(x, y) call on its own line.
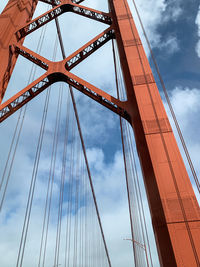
point(153, 14)
point(98, 125)
point(198, 48)
point(170, 46)
point(186, 104)
point(173, 10)
point(186, 101)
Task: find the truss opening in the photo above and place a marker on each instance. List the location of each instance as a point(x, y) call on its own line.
point(22, 76)
point(98, 69)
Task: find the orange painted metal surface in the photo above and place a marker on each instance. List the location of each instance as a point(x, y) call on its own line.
point(174, 208)
point(56, 71)
point(15, 15)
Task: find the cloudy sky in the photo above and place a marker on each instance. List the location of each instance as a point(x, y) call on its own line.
point(173, 27)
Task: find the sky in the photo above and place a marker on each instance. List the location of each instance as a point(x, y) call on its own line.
point(173, 28)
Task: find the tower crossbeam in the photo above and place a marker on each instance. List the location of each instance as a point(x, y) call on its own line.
point(59, 10)
point(173, 205)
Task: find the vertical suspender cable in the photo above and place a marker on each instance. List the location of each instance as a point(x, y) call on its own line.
point(167, 154)
point(17, 136)
point(19, 125)
point(57, 251)
point(49, 179)
point(32, 187)
point(35, 168)
point(142, 215)
point(52, 168)
point(69, 193)
point(169, 102)
point(140, 197)
point(9, 153)
point(83, 146)
point(125, 165)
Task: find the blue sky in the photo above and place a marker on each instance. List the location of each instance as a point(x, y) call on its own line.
point(182, 67)
point(173, 28)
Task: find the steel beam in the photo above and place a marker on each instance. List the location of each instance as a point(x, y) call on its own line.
point(58, 2)
point(51, 2)
point(9, 24)
point(24, 96)
point(62, 74)
point(89, 48)
point(39, 85)
point(30, 55)
point(174, 209)
point(59, 10)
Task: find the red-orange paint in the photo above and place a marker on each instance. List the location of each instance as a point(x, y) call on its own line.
point(174, 209)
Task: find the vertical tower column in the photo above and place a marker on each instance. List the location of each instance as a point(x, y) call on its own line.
point(14, 16)
point(173, 205)
point(174, 209)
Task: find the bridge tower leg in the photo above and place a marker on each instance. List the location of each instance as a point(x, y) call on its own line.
point(174, 209)
point(173, 205)
point(15, 15)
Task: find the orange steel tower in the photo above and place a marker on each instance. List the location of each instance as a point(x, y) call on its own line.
point(174, 209)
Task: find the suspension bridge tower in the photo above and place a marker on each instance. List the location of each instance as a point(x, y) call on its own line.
point(173, 206)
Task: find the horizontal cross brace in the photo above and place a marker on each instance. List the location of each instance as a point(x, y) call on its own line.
point(29, 54)
point(51, 2)
point(96, 94)
point(28, 93)
point(51, 77)
point(74, 59)
point(58, 2)
point(77, 1)
point(94, 14)
point(24, 96)
point(57, 11)
point(89, 48)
